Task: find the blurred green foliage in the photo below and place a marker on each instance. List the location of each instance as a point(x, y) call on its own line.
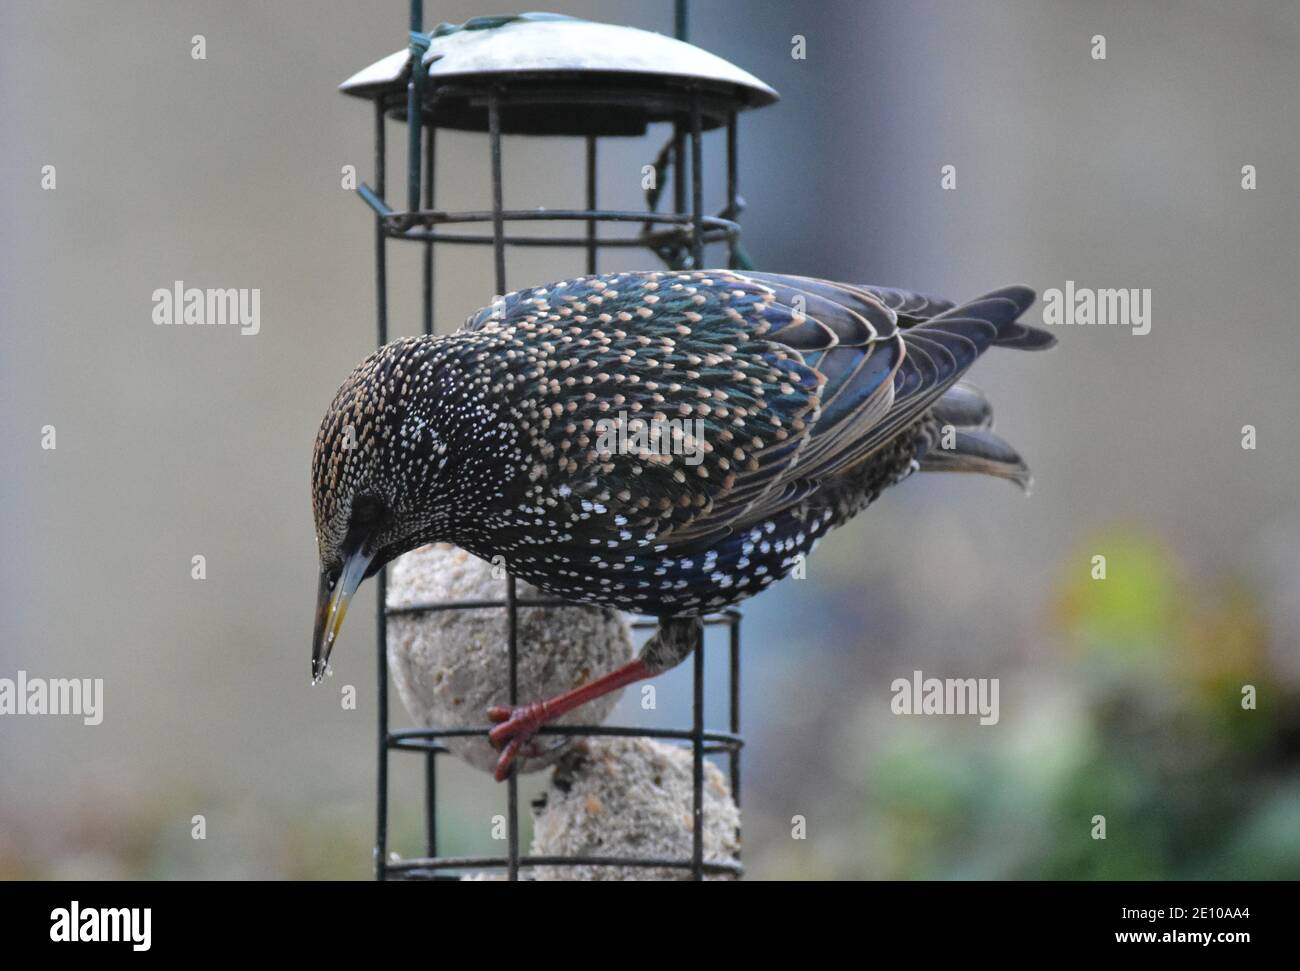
point(1143, 724)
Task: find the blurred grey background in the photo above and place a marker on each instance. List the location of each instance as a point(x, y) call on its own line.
point(1118, 697)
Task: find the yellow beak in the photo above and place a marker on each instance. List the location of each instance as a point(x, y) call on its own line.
point(332, 597)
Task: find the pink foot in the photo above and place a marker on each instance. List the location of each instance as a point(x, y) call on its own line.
point(515, 727)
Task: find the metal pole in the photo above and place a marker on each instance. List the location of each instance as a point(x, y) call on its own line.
point(381, 591)
point(679, 169)
point(414, 93)
point(591, 204)
point(697, 761)
point(430, 160)
point(498, 221)
point(734, 725)
point(381, 266)
point(697, 185)
point(733, 193)
point(681, 30)
point(512, 609)
point(431, 803)
point(512, 782)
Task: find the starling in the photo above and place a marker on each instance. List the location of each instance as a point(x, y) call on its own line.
point(665, 443)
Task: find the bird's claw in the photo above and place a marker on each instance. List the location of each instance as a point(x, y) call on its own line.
point(515, 727)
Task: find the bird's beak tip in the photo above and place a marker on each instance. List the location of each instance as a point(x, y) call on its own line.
point(331, 607)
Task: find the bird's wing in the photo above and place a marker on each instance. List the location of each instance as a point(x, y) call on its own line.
point(773, 384)
point(908, 306)
point(710, 362)
point(877, 388)
point(937, 352)
point(857, 370)
point(911, 308)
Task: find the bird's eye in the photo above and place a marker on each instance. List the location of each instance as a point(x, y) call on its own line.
point(366, 511)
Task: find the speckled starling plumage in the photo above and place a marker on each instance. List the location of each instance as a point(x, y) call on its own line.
point(666, 443)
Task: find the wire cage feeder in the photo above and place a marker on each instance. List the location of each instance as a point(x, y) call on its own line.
point(545, 75)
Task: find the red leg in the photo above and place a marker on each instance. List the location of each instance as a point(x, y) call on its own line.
point(516, 726)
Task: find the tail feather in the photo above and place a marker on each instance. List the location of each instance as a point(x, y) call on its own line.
point(1002, 308)
point(978, 450)
point(974, 447)
point(964, 407)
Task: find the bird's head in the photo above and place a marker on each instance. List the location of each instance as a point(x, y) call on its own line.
point(375, 477)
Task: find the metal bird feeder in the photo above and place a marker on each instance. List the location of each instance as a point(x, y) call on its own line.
point(546, 75)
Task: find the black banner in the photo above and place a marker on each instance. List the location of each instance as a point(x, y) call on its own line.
point(331, 919)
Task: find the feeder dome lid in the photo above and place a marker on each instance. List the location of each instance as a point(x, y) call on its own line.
point(561, 75)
